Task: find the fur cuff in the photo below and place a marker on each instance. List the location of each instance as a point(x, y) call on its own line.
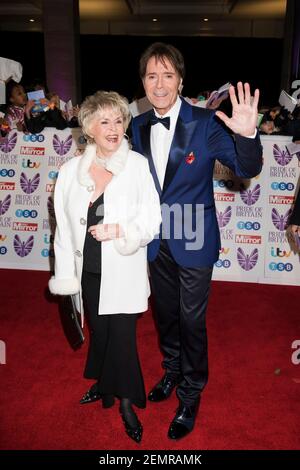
point(64, 286)
point(131, 242)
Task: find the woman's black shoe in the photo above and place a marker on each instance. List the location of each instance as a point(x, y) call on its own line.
point(135, 432)
point(90, 396)
point(133, 427)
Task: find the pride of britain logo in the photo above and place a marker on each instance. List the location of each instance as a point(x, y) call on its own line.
point(250, 196)
point(224, 217)
point(29, 185)
point(61, 146)
point(8, 143)
point(280, 221)
point(282, 157)
point(5, 204)
point(23, 248)
point(247, 261)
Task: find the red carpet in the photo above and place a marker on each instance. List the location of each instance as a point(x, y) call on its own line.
point(252, 400)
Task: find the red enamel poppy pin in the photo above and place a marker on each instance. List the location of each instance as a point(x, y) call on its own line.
point(190, 158)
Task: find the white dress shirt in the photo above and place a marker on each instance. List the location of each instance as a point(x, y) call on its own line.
point(161, 140)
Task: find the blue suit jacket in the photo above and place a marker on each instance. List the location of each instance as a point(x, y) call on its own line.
point(189, 181)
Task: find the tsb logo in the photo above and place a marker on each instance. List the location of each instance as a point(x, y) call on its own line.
point(281, 267)
point(26, 213)
point(225, 263)
point(223, 184)
point(34, 138)
point(53, 175)
point(282, 186)
point(10, 173)
point(248, 225)
point(3, 250)
point(47, 253)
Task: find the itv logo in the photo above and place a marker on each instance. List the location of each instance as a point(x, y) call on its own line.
point(278, 253)
point(29, 164)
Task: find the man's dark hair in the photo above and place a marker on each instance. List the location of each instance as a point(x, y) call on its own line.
point(162, 51)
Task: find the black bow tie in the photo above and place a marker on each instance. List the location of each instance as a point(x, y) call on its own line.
point(164, 121)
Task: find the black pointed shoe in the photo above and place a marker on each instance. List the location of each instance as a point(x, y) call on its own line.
point(91, 395)
point(164, 388)
point(184, 421)
point(134, 432)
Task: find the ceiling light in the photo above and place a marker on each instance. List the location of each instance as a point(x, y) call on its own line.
point(205, 19)
point(31, 20)
point(154, 19)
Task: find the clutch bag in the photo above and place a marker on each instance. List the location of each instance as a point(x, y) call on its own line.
point(71, 321)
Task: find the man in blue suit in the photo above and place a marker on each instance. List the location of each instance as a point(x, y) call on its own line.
point(182, 143)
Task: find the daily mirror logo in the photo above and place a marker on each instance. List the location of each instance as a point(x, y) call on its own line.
point(32, 151)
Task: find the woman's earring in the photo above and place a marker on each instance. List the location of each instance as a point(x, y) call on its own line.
point(126, 136)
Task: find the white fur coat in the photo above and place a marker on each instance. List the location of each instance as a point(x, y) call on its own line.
point(131, 200)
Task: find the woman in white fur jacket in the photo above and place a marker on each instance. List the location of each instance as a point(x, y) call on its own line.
point(107, 210)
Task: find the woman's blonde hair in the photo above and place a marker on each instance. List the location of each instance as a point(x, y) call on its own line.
point(94, 105)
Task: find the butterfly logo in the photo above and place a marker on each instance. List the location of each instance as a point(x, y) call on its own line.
point(224, 217)
point(50, 206)
point(247, 262)
point(62, 147)
point(23, 248)
point(250, 196)
point(29, 185)
point(4, 205)
point(8, 143)
point(280, 221)
point(282, 157)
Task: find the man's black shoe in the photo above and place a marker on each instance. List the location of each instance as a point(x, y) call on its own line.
point(164, 388)
point(184, 421)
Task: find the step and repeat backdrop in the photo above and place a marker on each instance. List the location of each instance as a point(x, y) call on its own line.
point(253, 218)
point(252, 214)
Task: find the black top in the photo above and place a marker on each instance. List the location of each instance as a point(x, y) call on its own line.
point(92, 248)
point(50, 118)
